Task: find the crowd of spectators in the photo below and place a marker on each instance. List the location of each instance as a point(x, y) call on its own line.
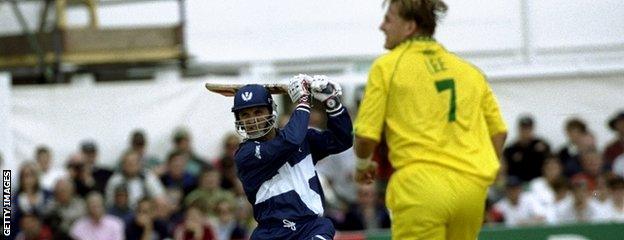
point(184, 196)
point(576, 183)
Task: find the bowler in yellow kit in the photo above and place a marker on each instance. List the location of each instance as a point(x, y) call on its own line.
point(442, 124)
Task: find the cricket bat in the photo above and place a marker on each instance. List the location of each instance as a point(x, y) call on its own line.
point(229, 89)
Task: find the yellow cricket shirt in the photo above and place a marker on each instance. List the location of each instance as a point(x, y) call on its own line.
point(433, 107)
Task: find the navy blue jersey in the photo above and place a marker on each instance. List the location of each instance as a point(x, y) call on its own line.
point(279, 177)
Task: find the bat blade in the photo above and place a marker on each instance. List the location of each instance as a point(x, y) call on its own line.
point(229, 89)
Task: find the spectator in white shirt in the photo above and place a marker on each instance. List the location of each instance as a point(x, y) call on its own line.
point(542, 187)
point(337, 169)
point(561, 188)
point(140, 183)
point(602, 199)
point(561, 196)
point(64, 209)
point(518, 208)
point(580, 208)
point(48, 174)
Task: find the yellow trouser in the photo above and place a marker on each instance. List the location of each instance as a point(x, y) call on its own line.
point(428, 201)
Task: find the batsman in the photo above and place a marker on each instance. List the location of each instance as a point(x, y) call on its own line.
point(277, 166)
point(442, 125)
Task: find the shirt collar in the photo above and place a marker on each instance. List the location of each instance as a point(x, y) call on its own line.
point(422, 38)
point(420, 43)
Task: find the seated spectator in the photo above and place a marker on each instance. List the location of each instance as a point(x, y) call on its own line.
point(542, 187)
point(561, 188)
point(100, 175)
point(616, 186)
point(367, 213)
point(176, 175)
point(138, 144)
point(194, 227)
point(81, 175)
point(169, 214)
point(182, 143)
point(615, 148)
point(120, 207)
point(602, 199)
point(225, 164)
point(32, 228)
point(591, 163)
point(30, 197)
point(244, 214)
point(208, 193)
point(580, 208)
point(174, 197)
point(48, 173)
point(577, 134)
point(97, 224)
point(526, 156)
point(337, 169)
point(140, 183)
point(561, 197)
point(143, 225)
point(518, 208)
point(64, 209)
point(226, 225)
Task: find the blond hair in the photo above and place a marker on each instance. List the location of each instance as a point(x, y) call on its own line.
point(425, 13)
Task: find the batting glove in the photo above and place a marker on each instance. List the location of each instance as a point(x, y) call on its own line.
point(299, 88)
point(326, 91)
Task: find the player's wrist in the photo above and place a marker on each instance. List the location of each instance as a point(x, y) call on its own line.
point(332, 104)
point(304, 100)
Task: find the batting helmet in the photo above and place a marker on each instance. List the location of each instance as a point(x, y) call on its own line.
point(254, 95)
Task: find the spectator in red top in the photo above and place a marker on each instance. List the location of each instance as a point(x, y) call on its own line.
point(32, 228)
point(616, 147)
